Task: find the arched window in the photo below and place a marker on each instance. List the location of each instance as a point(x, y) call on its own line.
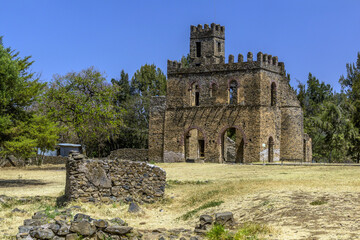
point(195, 95)
point(273, 94)
point(233, 87)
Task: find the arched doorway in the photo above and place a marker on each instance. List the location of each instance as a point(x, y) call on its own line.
point(232, 146)
point(194, 145)
point(271, 150)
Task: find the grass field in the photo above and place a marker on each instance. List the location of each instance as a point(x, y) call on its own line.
point(296, 202)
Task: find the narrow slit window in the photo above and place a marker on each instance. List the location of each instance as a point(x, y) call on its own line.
point(273, 94)
point(201, 148)
point(198, 49)
point(197, 98)
point(219, 47)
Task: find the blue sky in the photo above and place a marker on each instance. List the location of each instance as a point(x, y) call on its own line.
point(309, 36)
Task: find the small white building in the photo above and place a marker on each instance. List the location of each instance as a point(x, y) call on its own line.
point(65, 148)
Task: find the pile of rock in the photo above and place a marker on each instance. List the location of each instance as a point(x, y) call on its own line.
point(207, 221)
point(45, 225)
point(94, 180)
point(57, 225)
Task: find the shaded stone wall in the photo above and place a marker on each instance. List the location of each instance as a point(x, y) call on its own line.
point(130, 154)
point(91, 180)
point(156, 128)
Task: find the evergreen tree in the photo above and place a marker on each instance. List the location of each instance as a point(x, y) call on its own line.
point(22, 129)
point(351, 86)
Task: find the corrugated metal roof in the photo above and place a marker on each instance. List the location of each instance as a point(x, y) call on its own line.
point(69, 145)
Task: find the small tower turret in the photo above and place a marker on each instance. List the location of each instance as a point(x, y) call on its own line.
point(207, 45)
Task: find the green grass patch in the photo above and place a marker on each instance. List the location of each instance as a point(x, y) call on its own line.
point(247, 231)
point(318, 202)
point(251, 231)
point(218, 232)
point(191, 213)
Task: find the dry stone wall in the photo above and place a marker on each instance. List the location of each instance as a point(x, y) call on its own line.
point(90, 180)
point(131, 154)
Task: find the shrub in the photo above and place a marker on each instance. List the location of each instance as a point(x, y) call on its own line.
point(250, 231)
point(318, 202)
point(218, 232)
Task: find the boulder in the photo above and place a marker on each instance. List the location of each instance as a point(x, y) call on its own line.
point(72, 236)
point(100, 223)
point(83, 228)
point(119, 230)
point(63, 230)
point(80, 217)
point(134, 208)
point(42, 234)
point(224, 218)
point(118, 221)
point(206, 219)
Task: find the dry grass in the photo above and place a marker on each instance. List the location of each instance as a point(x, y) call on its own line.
point(251, 192)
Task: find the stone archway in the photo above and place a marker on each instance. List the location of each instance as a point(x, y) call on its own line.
point(232, 145)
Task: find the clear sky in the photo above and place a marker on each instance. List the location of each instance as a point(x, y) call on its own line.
point(317, 36)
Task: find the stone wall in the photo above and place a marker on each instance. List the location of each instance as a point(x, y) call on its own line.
point(156, 128)
point(130, 154)
point(106, 180)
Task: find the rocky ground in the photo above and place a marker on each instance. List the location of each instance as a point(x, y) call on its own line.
point(61, 225)
point(303, 215)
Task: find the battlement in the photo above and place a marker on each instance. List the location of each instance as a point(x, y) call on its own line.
point(264, 61)
point(215, 30)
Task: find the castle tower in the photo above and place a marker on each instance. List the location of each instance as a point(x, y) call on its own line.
point(207, 45)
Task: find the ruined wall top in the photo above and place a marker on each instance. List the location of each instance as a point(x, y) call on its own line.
point(215, 30)
point(263, 61)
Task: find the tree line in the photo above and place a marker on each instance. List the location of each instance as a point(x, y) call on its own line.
point(332, 119)
point(83, 107)
point(78, 107)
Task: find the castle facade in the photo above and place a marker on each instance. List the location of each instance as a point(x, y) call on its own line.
point(241, 111)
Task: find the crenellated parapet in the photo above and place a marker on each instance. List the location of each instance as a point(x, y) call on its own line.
point(214, 30)
point(263, 61)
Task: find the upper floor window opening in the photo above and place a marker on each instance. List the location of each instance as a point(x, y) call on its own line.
point(233, 87)
point(195, 95)
point(219, 46)
point(198, 49)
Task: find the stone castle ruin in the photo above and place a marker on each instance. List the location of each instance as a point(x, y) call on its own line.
point(240, 112)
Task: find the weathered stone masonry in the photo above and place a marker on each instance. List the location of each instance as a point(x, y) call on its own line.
point(91, 180)
point(210, 96)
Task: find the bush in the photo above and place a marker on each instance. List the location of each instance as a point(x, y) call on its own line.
point(218, 232)
point(250, 231)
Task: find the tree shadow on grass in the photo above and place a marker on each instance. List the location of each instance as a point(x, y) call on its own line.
point(8, 183)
